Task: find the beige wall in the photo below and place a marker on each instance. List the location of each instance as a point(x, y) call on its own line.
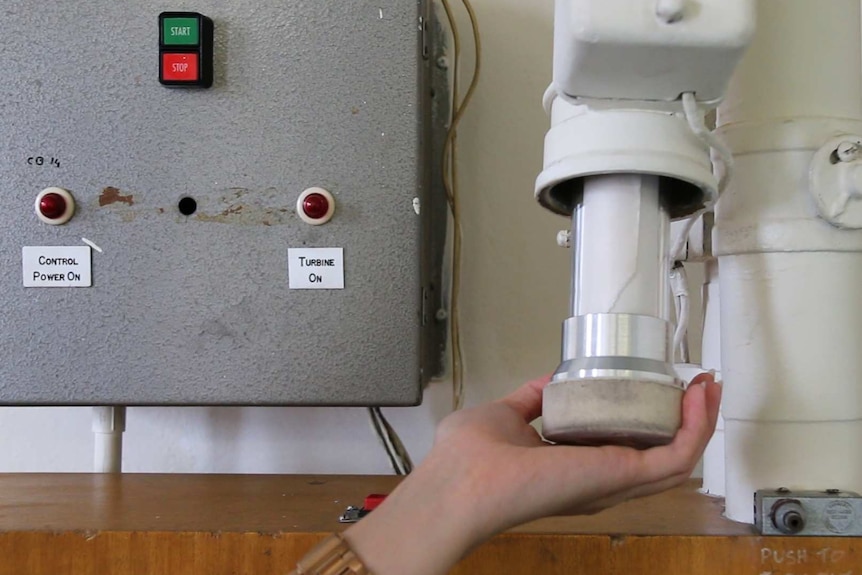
point(516, 279)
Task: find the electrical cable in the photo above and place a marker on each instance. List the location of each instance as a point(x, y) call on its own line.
point(375, 425)
point(682, 304)
point(696, 123)
point(404, 459)
point(451, 185)
point(679, 282)
point(399, 459)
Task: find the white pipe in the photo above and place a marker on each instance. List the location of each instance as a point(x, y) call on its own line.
point(109, 423)
point(713, 457)
point(791, 316)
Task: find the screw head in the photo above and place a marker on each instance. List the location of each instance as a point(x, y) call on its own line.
point(833, 491)
point(848, 151)
point(783, 490)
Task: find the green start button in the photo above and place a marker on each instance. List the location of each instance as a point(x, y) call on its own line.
point(180, 31)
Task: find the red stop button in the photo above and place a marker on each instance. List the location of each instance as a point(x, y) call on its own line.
point(180, 67)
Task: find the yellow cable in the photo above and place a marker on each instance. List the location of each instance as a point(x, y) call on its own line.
point(450, 182)
point(451, 192)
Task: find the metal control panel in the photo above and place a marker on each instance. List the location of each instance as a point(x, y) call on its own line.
point(216, 202)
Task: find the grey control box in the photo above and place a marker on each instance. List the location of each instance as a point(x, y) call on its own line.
point(165, 171)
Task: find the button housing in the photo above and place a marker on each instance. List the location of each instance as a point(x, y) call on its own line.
point(47, 205)
point(185, 38)
point(310, 205)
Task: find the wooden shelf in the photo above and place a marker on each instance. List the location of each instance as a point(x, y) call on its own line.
point(216, 524)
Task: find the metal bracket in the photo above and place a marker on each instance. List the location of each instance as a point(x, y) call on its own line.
point(433, 203)
point(699, 244)
point(835, 179)
point(831, 513)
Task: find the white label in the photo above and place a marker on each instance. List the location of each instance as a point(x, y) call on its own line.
point(315, 268)
point(57, 266)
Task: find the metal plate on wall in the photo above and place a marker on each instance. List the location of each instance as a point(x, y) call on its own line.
point(196, 309)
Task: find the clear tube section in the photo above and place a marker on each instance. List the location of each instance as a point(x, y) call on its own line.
point(620, 241)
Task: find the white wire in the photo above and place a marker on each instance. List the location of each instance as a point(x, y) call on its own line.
point(681, 332)
point(695, 118)
point(552, 93)
point(682, 302)
point(548, 98)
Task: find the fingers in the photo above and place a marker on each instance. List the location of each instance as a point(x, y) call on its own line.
point(588, 479)
point(713, 403)
point(713, 400)
point(527, 399)
point(699, 416)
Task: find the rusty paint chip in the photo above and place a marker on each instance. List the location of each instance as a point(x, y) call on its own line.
point(111, 195)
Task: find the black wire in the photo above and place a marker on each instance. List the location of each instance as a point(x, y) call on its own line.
point(373, 412)
point(395, 440)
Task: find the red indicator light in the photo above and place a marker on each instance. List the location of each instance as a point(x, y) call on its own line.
point(315, 206)
point(52, 206)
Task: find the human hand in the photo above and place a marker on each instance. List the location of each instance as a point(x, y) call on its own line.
point(519, 477)
point(490, 470)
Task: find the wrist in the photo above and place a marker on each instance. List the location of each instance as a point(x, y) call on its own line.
point(423, 528)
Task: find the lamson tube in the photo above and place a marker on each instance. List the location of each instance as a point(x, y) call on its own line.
point(616, 383)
